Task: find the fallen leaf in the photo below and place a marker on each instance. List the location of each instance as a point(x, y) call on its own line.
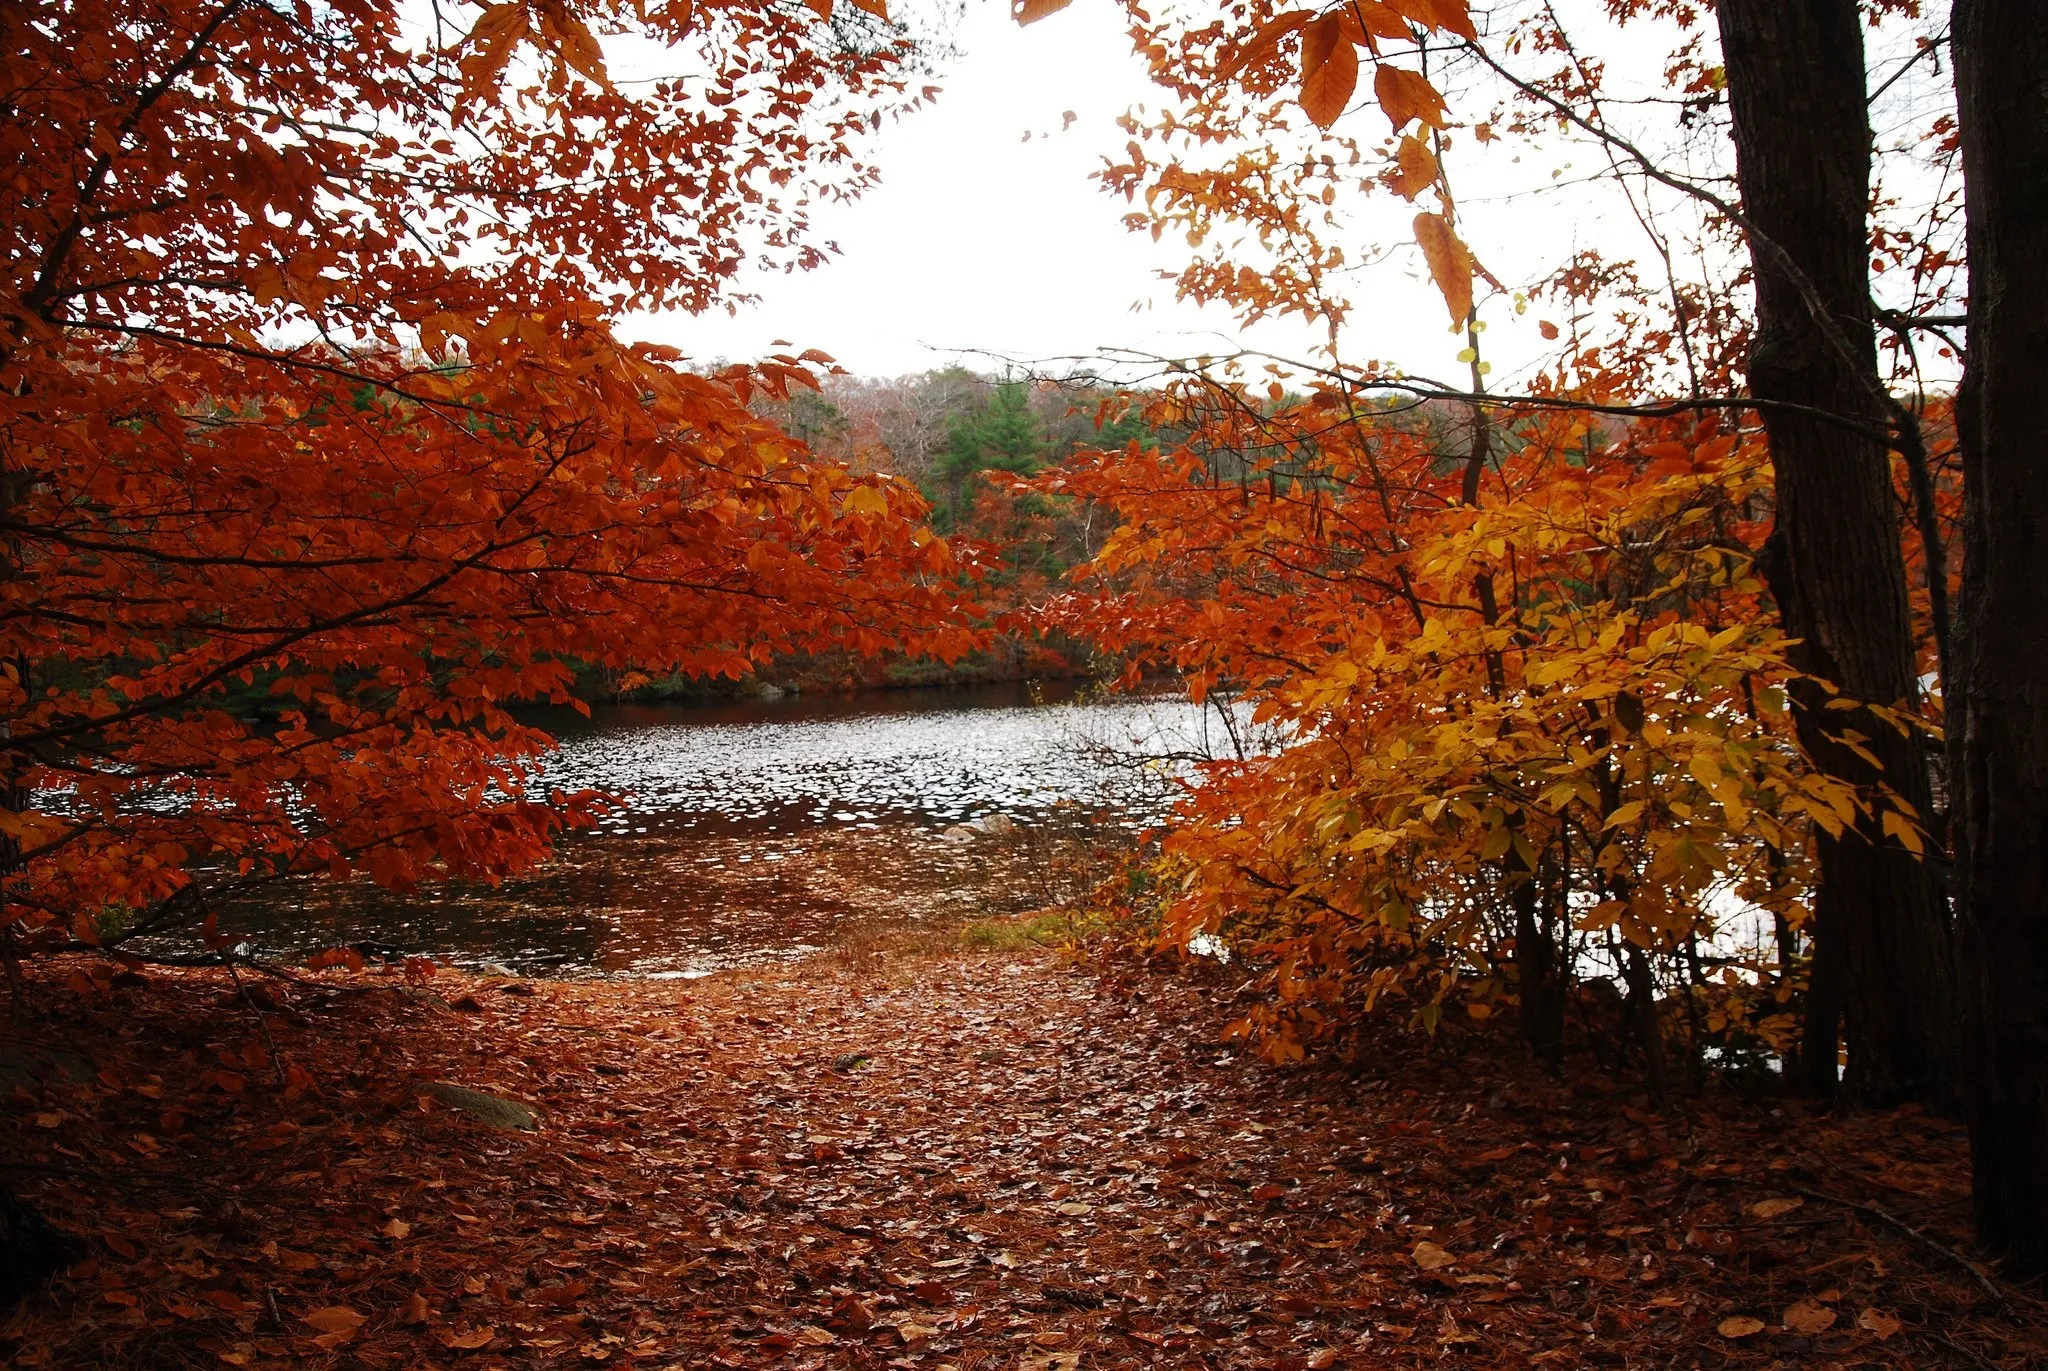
point(397, 1228)
point(467, 1340)
point(1877, 1323)
point(1430, 1257)
point(1050, 1361)
point(1074, 1208)
point(1740, 1326)
point(811, 1336)
point(1809, 1317)
point(1771, 1209)
point(337, 1321)
point(416, 1309)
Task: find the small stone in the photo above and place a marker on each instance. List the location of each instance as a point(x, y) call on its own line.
point(492, 1110)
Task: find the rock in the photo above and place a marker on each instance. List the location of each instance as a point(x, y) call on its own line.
point(492, 1110)
point(768, 690)
point(958, 833)
point(852, 1061)
point(496, 969)
point(995, 825)
point(517, 988)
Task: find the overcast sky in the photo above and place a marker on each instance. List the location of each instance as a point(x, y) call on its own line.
point(978, 239)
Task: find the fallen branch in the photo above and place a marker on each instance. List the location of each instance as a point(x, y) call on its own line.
point(1984, 1282)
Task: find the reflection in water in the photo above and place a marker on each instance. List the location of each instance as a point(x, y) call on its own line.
point(763, 829)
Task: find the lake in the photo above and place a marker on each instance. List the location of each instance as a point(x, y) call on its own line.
point(769, 828)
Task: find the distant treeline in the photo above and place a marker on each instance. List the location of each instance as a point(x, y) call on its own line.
point(953, 433)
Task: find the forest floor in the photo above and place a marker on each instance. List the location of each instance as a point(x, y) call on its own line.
point(1014, 1161)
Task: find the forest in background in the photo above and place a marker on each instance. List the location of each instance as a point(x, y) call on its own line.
point(947, 433)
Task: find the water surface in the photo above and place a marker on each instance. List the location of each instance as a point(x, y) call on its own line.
point(772, 828)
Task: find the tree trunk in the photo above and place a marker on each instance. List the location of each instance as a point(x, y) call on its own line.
point(31, 1251)
point(1998, 703)
point(1539, 976)
point(1802, 142)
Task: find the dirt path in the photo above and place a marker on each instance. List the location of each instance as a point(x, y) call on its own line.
point(930, 1161)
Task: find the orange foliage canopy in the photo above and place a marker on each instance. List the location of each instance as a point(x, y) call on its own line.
point(320, 452)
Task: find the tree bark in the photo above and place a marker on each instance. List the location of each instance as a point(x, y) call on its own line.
point(1998, 702)
point(31, 1251)
point(1802, 141)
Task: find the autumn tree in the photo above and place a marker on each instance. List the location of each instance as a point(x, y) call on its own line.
point(1254, 162)
point(320, 453)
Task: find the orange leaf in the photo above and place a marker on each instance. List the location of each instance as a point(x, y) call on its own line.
point(878, 8)
point(1382, 21)
point(1877, 1323)
point(1263, 40)
point(1449, 15)
point(1031, 11)
point(1329, 70)
point(1809, 1317)
point(336, 1320)
point(467, 1340)
point(1406, 95)
point(1415, 167)
point(1740, 1326)
point(1450, 263)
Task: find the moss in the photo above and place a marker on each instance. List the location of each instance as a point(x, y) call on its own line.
point(1054, 928)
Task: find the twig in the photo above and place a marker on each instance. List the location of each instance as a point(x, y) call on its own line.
point(1984, 1282)
point(1974, 1357)
point(276, 1061)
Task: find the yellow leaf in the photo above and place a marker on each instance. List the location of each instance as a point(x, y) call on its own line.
point(1450, 262)
point(867, 500)
point(1624, 815)
point(1898, 826)
point(1329, 70)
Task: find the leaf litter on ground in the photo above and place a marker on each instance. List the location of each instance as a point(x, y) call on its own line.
point(1037, 1163)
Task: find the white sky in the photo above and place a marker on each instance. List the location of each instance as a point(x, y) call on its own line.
point(977, 239)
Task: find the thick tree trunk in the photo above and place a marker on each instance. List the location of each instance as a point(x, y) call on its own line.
point(31, 1251)
point(1802, 141)
point(1998, 702)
